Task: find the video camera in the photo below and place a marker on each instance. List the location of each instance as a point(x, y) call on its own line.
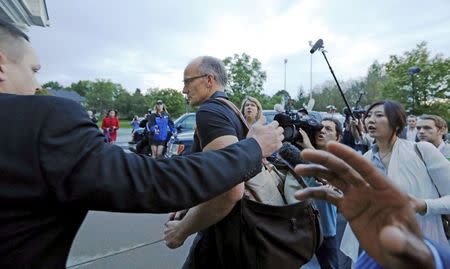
point(291, 123)
point(358, 113)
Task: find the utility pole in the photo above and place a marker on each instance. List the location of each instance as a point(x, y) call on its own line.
point(310, 69)
point(285, 63)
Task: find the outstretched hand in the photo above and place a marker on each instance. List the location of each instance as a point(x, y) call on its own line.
point(381, 216)
point(268, 136)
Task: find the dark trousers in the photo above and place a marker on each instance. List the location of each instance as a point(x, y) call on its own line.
point(327, 254)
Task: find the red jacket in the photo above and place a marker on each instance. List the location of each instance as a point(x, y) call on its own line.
point(111, 125)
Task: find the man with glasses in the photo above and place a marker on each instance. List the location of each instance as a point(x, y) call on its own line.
point(217, 126)
point(432, 128)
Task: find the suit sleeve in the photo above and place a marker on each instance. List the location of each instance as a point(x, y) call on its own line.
point(83, 172)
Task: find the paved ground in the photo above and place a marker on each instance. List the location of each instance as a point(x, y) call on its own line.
point(104, 233)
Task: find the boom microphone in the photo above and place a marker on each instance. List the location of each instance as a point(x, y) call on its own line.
point(317, 45)
point(290, 154)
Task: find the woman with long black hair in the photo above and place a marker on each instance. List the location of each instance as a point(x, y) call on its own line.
point(418, 169)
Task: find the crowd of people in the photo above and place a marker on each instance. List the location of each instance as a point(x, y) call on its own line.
point(393, 197)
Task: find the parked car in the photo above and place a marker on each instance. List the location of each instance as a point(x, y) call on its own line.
point(183, 143)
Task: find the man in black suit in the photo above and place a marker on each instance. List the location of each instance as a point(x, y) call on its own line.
point(54, 167)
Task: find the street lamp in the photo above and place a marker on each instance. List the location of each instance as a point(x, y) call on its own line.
point(310, 69)
point(285, 63)
point(413, 70)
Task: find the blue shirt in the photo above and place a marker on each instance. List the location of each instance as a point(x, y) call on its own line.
point(327, 212)
point(366, 262)
point(376, 160)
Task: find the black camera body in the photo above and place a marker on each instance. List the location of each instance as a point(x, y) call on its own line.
point(358, 113)
point(291, 123)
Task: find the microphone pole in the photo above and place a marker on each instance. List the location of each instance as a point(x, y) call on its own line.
point(319, 44)
point(339, 86)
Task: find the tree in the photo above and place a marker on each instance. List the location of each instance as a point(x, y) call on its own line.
point(375, 81)
point(327, 94)
point(173, 99)
point(54, 85)
point(427, 91)
point(301, 99)
point(103, 94)
point(82, 87)
point(245, 77)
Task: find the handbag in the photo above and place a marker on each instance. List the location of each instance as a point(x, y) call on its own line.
point(445, 218)
point(265, 235)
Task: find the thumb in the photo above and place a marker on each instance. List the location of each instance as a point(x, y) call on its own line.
point(401, 249)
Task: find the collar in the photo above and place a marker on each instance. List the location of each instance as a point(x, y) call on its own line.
point(220, 94)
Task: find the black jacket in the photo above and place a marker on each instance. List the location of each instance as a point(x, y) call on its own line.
point(54, 167)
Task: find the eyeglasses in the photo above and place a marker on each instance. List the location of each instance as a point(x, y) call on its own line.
point(186, 81)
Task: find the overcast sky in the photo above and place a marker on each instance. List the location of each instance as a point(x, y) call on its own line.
point(143, 44)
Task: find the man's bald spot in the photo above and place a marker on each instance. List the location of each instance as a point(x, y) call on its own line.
point(13, 47)
point(195, 63)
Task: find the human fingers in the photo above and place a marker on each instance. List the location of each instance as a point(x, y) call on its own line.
point(180, 214)
point(362, 166)
point(275, 123)
point(333, 163)
point(172, 215)
point(321, 193)
point(321, 172)
point(401, 249)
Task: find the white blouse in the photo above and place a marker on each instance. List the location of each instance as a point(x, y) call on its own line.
point(407, 171)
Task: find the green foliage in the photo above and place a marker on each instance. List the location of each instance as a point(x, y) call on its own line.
point(301, 99)
point(103, 94)
point(54, 85)
point(328, 94)
point(375, 81)
point(428, 91)
point(174, 100)
point(42, 92)
point(82, 87)
point(245, 77)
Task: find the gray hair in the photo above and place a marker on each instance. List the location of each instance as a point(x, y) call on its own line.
point(215, 67)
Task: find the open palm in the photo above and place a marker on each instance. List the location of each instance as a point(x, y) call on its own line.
point(380, 215)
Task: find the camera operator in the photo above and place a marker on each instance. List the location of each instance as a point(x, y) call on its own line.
point(327, 254)
point(354, 135)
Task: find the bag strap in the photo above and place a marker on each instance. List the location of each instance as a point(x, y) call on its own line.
point(241, 117)
point(416, 148)
point(236, 110)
